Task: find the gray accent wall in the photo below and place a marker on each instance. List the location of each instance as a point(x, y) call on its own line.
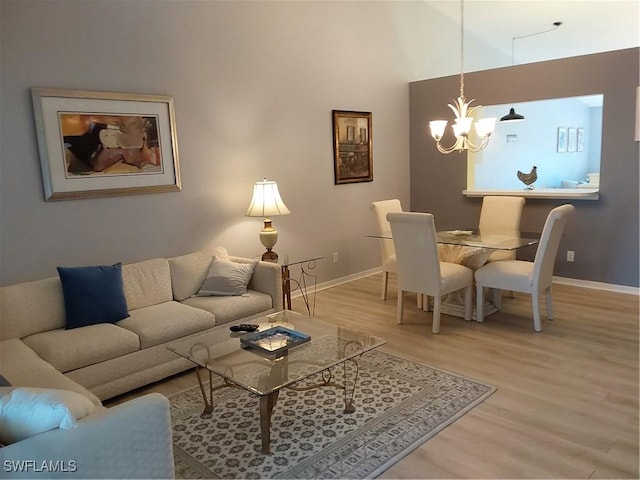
point(603, 233)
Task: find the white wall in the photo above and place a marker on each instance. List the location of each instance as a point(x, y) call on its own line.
point(253, 83)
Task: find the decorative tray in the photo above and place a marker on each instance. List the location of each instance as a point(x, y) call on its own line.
point(274, 341)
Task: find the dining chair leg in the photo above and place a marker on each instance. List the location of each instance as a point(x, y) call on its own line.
point(479, 303)
point(425, 304)
point(400, 306)
point(385, 283)
point(468, 303)
point(535, 300)
point(437, 301)
point(496, 297)
point(549, 303)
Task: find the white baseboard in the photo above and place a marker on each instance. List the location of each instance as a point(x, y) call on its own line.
point(610, 287)
point(341, 281)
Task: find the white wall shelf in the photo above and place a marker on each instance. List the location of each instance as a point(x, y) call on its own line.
point(560, 193)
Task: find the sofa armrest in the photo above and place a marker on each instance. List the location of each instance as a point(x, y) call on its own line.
point(130, 440)
point(267, 278)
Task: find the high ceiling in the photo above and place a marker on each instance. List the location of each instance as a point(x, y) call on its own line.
point(589, 26)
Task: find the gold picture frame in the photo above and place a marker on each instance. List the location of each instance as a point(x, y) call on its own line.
point(352, 146)
point(101, 144)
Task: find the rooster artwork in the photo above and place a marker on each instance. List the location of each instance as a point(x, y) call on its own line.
point(528, 178)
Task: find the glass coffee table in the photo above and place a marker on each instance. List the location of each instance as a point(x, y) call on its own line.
point(264, 374)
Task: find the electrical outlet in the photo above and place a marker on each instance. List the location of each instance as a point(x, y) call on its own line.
point(570, 255)
point(336, 257)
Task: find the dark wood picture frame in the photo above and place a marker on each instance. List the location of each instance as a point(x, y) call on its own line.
point(352, 147)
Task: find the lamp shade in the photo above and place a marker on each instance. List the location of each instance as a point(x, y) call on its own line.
point(266, 201)
point(512, 116)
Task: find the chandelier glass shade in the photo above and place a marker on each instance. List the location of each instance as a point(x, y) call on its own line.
point(463, 115)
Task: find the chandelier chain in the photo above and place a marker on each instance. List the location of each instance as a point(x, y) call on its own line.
point(463, 115)
point(462, 49)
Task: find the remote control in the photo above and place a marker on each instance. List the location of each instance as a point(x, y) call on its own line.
point(244, 327)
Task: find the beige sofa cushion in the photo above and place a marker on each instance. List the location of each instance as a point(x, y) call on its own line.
point(31, 307)
point(228, 309)
point(147, 283)
point(168, 321)
point(23, 367)
point(188, 272)
point(70, 349)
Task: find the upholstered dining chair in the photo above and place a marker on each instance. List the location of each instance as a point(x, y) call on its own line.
point(501, 216)
point(419, 267)
point(387, 252)
point(534, 277)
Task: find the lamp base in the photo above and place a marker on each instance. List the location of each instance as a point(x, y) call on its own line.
point(270, 256)
point(268, 238)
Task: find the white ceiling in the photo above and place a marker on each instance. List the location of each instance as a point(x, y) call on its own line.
point(589, 26)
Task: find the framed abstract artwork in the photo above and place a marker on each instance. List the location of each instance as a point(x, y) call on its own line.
point(562, 140)
point(352, 147)
point(572, 140)
point(98, 144)
point(580, 140)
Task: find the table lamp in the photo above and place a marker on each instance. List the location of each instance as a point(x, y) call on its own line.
point(266, 202)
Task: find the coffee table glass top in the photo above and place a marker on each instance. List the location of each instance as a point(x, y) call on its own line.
point(221, 353)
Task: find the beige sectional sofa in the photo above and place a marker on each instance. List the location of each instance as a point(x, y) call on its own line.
point(132, 439)
point(109, 359)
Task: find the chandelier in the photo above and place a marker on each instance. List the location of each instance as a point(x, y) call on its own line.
point(463, 111)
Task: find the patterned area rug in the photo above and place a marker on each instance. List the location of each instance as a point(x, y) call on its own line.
point(399, 405)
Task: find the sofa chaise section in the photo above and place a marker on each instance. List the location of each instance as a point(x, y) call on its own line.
point(130, 440)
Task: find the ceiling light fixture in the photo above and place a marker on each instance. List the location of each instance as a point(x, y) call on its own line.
point(512, 116)
point(463, 110)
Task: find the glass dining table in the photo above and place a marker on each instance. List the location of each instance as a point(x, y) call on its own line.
point(471, 248)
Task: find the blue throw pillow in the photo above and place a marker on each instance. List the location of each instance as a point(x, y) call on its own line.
point(93, 295)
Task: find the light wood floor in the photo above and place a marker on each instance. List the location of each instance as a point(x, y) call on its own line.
point(567, 398)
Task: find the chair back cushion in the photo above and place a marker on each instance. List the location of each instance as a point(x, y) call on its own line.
point(548, 246)
point(380, 210)
point(501, 215)
point(414, 238)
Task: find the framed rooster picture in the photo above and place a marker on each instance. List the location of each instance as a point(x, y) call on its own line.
point(95, 144)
